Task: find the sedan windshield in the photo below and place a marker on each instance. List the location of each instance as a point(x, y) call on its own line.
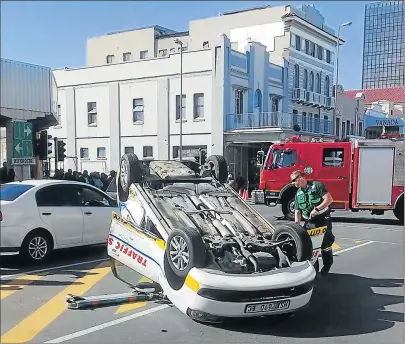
point(10, 192)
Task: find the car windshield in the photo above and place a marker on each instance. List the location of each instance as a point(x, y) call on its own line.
point(10, 192)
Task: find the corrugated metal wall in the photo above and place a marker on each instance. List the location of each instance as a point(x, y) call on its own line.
point(25, 87)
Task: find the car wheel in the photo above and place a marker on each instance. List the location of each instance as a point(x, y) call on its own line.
point(37, 247)
point(399, 210)
point(219, 166)
point(300, 246)
point(287, 207)
point(185, 250)
point(129, 173)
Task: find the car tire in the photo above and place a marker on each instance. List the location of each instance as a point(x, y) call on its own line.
point(191, 244)
point(130, 172)
point(286, 206)
point(399, 210)
point(219, 167)
point(302, 246)
point(32, 249)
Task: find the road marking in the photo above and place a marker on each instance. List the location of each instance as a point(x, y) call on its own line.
point(107, 324)
point(335, 247)
point(53, 268)
point(17, 284)
point(371, 227)
point(353, 247)
point(28, 328)
point(376, 241)
point(134, 305)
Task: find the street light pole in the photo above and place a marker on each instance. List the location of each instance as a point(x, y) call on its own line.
point(337, 65)
point(180, 43)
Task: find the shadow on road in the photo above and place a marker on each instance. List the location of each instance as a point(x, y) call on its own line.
point(341, 305)
point(368, 220)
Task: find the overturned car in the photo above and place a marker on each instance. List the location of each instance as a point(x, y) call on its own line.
point(213, 255)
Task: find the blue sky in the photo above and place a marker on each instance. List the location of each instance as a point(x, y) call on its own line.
point(54, 33)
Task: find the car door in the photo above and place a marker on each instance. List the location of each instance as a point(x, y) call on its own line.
point(58, 211)
point(97, 210)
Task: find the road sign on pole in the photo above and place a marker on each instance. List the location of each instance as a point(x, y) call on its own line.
point(22, 140)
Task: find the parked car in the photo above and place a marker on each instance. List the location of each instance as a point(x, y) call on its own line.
point(213, 255)
point(39, 216)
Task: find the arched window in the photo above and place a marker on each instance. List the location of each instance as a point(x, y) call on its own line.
point(311, 81)
point(296, 76)
point(305, 79)
point(318, 83)
point(258, 100)
point(327, 85)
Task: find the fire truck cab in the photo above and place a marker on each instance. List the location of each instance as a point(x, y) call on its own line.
point(360, 175)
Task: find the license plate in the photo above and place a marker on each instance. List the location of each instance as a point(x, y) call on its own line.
point(268, 307)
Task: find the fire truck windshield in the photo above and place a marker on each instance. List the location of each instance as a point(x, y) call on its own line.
point(283, 158)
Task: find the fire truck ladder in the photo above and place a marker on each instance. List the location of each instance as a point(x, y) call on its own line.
point(142, 292)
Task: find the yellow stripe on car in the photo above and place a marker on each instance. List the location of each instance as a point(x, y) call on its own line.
point(192, 283)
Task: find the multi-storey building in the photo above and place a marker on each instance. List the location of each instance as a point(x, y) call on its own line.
point(254, 75)
point(383, 50)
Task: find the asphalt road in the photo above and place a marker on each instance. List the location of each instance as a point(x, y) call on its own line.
point(361, 301)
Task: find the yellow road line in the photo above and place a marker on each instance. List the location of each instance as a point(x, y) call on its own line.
point(335, 247)
point(130, 306)
point(27, 329)
point(17, 284)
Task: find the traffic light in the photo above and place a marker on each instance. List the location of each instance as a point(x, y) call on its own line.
point(61, 150)
point(42, 145)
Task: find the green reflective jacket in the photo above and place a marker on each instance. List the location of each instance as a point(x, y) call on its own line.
point(306, 200)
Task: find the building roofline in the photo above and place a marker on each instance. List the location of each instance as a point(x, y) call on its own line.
point(176, 34)
point(25, 63)
point(246, 10)
point(158, 27)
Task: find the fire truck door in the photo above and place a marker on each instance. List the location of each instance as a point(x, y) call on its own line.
point(334, 172)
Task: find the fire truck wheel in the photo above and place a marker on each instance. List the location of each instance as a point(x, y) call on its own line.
point(399, 210)
point(287, 207)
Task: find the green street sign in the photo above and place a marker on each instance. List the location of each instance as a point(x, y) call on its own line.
point(22, 140)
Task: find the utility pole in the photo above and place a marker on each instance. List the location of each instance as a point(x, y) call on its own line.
point(180, 43)
point(55, 149)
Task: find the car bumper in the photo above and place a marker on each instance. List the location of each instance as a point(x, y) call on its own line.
point(11, 239)
point(217, 295)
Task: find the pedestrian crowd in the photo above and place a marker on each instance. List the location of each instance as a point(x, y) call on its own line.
point(97, 179)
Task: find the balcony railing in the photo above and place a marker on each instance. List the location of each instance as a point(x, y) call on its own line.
point(279, 120)
point(301, 95)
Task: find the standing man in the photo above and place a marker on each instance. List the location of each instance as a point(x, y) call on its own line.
point(312, 203)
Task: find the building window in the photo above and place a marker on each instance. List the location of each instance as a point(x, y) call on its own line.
point(307, 47)
point(172, 50)
point(189, 151)
point(59, 116)
point(143, 54)
point(327, 86)
point(328, 57)
point(110, 59)
point(326, 126)
point(360, 128)
point(137, 110)
point(338, 127)
point(274, 104)
point(183, 107)
point(310, 122)
point(317, 123)
point(347, 128)
point(304, 121)
point(206, 45)
point(311, 81)
point(305, 79)
point(320, 53)
point(352, 129)
point(84, 153)
point(343, 129)
point(298, 43)
point(163, 52)
point(318, 83)
point(92, 113)
point(333, 157)
point(147, 151)
point(101, 153)
point(129, 150)
point(296, 76)
point(295, 117)
point(238, 102)
point(198, 105)
point(312, 49)
point(127, 57)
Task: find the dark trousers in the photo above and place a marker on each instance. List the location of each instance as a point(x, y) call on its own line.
point(328, 239)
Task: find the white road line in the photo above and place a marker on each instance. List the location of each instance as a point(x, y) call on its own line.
point(107, 324)
point(339, 224)
point(353, 247)
point(53, 268)
point(376, 241)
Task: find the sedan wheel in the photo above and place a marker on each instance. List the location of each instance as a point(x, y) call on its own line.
point(37, 248)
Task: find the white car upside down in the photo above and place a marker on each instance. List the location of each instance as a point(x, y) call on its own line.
point(214, 256)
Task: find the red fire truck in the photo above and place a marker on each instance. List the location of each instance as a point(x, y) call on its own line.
point(360, 175)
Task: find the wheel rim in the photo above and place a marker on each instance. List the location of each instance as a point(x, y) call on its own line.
point(37, 248)
point(290, 248)
point(179, 253)
point(124, 174)
point(291, 206)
